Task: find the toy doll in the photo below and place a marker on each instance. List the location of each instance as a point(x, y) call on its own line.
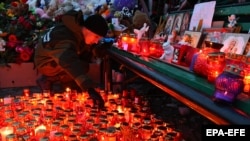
point(232, 20)
point(186, 40)
point(168, 46)
point(173, 37)
point(168, 52)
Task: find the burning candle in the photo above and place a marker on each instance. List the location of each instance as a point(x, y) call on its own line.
point(133, 44)
point(228, 85)
point(5, 131)
point(124, 41)
point(67, 93)
point(215, 65)
point(246, 78)
point(26, 93)
point(246, 81)
point(46, 93)
point(144, 44)
point(111, 134)
point(156, 49)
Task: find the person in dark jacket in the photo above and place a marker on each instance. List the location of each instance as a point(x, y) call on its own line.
point(64, 52)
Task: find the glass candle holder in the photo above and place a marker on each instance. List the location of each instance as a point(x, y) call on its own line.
point(156, 49)
point(26, 93)
point(124, 41)
point(58, 136)
point(144, 44)
point(215, 65)
point(5, 132)
point(40, 133)
point(246, 81)
point(132, 44)
point(11, 137)
point(146, 132)
point(228, 85)
point(111, 134)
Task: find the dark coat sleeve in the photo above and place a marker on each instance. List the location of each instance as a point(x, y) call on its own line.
point(73, 65)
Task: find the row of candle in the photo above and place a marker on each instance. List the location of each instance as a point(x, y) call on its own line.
point(143, 46)
point(73, 116)
point(208, 61)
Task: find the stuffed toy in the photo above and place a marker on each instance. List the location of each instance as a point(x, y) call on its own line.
point(39, 7)
point(139, 19)
point(232, 20)
point(168, 46)
point(141, 32)
point(2, 41)
point(54, 8)
point(32, 4)
point(104, 10)
point(168, 52)
point(160, 37)
point(120, 4)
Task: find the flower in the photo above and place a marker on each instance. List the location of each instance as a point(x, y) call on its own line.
point(20, 29)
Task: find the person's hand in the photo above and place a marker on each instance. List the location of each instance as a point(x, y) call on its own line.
point(96, 97)
point(101, 48)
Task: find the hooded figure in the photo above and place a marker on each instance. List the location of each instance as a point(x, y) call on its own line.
point(63, 54)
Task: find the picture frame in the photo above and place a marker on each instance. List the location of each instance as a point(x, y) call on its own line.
point(225, 30)
point(247, 49)
point(195, 37)
point(235, 43)
point(185, 23)
point(177, 22)
point(169, 24)
point(215, 34)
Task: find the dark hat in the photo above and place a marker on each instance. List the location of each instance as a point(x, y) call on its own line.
point(97, 24)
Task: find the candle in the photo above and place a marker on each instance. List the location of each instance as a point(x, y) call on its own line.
point(39, 128)
point(26, 93)
point(67, 93)
point(133, 44)
point(124, 40)
point(228, 85)
point(246, 81)
point(144, 44)
point(111, 134)
point(5, 131)
point(46, 93)
point(215, 65)
point(156, 49)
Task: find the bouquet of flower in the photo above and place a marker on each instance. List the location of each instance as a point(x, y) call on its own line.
point(20, 30)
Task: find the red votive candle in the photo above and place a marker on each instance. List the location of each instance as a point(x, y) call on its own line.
point(215, 65)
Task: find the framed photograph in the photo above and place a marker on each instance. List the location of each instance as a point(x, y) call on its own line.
point(234, 43)
point(195, 37)
point(169, 24)
point(215, 34)
point(177, 22)
point(209, 30)
point(202, 11)
point(185, 23)
point(247, 49)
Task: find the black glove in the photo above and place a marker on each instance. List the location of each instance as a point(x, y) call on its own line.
point(96, 97)
point(101, 48)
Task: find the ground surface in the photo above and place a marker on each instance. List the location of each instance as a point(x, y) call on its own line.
point(161, 105)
